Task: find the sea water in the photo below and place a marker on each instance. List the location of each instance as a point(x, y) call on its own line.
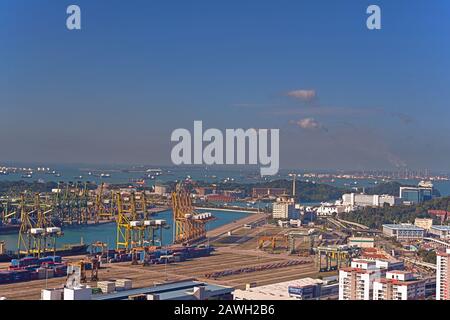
point(107, 232)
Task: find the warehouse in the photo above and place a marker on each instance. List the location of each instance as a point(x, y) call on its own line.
point(180, 290)
point(440, 231)
point(403, 231)
point(301, 289)
point(361, 242)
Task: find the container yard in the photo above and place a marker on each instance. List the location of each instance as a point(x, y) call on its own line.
point(198, 268)
point(32, 268)
point(236, 254)
point(230, 264)
point(200, 254)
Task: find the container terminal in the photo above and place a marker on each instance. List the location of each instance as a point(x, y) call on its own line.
point(254, 251)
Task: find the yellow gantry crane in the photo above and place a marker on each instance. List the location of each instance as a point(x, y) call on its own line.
point(135, 229)
point(130, 227)
point(274, 240)
point(83, 204)
point(104, 208)
point(189, 226)
point(5, 211)
point(37, 234)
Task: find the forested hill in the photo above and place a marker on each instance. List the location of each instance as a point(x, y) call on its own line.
point(305, 191)
point(16, 187)
point(393, 188)
point(376, 217)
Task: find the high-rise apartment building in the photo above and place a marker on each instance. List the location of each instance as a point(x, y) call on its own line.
point(443, 275)
point(356, 281)
point(399, 285)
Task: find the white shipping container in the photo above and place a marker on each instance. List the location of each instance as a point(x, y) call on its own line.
point(135, 223)
point(53, 230)
point(52, 294)
point(107, 286)
point(126, 284)
point(37, 230)
point(78, 293)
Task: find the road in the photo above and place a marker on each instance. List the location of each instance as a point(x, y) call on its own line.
point(223, 230)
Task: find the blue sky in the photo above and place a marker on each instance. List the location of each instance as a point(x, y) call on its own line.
point(114, 91)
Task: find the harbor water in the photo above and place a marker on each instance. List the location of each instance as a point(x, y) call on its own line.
point(107, 232)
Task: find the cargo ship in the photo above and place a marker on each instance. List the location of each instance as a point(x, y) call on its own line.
point(66, 250)
point(14, 226)
point(9, 228)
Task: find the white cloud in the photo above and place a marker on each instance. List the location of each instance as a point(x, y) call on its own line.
point(308, 124)
point(304, 95)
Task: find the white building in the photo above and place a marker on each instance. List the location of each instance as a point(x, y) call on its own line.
point(301, 289)
point(284, 210)
point(399, 285)
point(443, 275)
point(389, 264)
point(283, 223)
point(81, 292)
point(52, 294)
point(361, 242)
point(296, 223)
point(356, 281)
point(441, 231)
point(403, 231)
point(424, 223)
point(328, 209)
point(367, 200)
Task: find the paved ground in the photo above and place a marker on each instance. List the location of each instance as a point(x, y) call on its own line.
point(241, 253)
point(197, 268)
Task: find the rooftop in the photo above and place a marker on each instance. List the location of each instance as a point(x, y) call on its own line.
point(181, 290)
point(401, 282)
point(359, 270)
point(363, 261)
point(282, 288)
point(403, 226)
point(441, 228)
point(399, 272)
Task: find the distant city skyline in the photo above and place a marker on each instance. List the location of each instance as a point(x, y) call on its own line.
point(342, 96)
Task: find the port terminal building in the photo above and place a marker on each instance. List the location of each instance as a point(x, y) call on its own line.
point(301, 289)
point(180, 290)
point(403, 231)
